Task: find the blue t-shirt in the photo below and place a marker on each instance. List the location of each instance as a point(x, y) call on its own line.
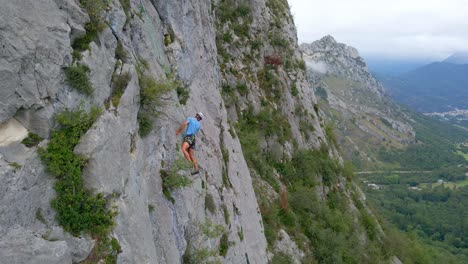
point(192, 127)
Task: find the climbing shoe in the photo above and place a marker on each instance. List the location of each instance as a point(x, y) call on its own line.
point(195, 172)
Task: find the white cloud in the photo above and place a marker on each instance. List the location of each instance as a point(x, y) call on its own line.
point(398, 28)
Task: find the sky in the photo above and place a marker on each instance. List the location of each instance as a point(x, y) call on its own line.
point(388, 29)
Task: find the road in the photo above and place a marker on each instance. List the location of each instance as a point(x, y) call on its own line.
point(400, 172)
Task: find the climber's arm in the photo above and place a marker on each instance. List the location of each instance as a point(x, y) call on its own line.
point(181, 127)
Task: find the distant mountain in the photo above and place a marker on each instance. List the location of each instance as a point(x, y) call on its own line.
point(436, 87)
point(365, 118)
point(393, 67)
point(458, 58)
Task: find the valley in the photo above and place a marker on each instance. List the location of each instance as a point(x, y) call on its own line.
point(413, 167)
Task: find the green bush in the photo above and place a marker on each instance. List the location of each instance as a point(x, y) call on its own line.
point(287, 218)
point(281, 258)
point(195, 254)
point(115, 245)
point(209, 203)
point(223, 245)
point(169, 38)
point(229, 10)
point(302, 65)
point(40, 216)
point(278, 41)
point(316, 108)
point(145, 124)
point(307, 165)
point(227, 37)
point(183, 94)
point(105, 251)
point(32, 140)
point(369, 224)
point(82, 43)
point(76, 55)
point(77, 209)
point(94, 8)
point(120, 53)
point(119, 84)
point(151, 92)
point(172, 179)
point(331, 135)
point(77, 77)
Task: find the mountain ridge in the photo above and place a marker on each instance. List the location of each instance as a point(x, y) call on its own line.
point(355, 100)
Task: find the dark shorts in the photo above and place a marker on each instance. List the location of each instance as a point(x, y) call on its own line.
point(190, 139)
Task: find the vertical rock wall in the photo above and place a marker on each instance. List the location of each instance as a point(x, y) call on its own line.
point(36, 39)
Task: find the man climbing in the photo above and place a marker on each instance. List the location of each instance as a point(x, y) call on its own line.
point(193, 125)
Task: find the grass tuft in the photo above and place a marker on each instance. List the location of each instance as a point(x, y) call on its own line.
point(32, 140)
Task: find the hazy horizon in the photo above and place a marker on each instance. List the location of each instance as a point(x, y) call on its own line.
point(412, 30)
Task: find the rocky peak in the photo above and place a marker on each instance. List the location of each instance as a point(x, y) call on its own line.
point(326, 56)
point(340, 75)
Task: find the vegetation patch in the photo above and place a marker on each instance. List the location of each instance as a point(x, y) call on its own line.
point(15, 165)
point(145, 124)
point(331, 135)
point(40, 216)
point(119, 84)
point(104, 251)
point(209, 203)
point(32, 140)
point(151, 97)
point(169, 38)
point(77, 78)
point(77, 209)
point(195, 252)
point(95, 10)
point(152, 92)
point(226, 214)
point(120, 53)
point(224, 244)
point(173, 179)
point(281, 258)
point(183, 94)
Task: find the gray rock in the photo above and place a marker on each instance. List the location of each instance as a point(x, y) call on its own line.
point(34, 49)
point(20, 246)
point(288, 247)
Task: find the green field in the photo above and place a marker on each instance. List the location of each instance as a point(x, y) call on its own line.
point(450, 185)
point(465, 155)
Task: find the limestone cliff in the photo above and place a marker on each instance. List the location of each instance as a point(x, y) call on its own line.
point(236, 61)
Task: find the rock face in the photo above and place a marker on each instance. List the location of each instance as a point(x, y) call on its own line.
point(191, 42)
point(364, 116)
point(36, 39)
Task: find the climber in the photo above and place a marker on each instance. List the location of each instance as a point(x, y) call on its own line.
point(193, 125)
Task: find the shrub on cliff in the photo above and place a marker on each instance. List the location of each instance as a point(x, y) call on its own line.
point(77, 77)
point(77, 209)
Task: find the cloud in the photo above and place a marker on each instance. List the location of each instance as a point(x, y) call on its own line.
point(320, 67)
point(398, 28)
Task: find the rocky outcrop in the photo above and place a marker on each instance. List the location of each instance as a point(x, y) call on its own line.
point(326, 56)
